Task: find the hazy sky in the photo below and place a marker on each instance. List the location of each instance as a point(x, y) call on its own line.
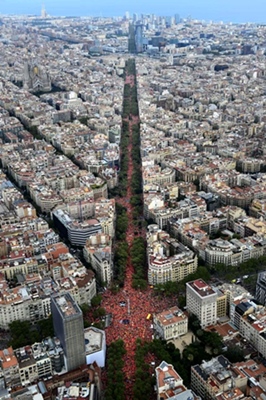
point(217, 10)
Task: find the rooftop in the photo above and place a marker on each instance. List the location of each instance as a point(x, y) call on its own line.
point(67, 305)
point(202, 288)
point(170, 316)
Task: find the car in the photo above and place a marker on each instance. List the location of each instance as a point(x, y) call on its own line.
point(245, 276)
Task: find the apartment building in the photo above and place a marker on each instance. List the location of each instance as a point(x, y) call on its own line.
point(162, 269)
point(170, 324)
point(251, 322)
point(9, 367)
point(157, 175)
point(26, 365)
point(98, 252)
point(234, 295)
point(32, 300)
point(257, 208)
point(233, 252)
point(20, 304)
point(218, 376)
point(189, 232)
point(202, 302)
point(220, 380)
point(169, 385)
point(168, 259)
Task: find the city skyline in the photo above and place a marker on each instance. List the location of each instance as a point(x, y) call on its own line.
point(240, 11)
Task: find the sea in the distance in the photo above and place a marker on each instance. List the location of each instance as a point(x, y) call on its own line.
point(216, 10)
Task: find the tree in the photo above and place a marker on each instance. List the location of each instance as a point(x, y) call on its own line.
point(96, 300)
point(234, 354)
point(181, 302)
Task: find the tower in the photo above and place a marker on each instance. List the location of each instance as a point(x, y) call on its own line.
point(43, 12)
point(35, 79)
point(139, 38)
point(69, 328)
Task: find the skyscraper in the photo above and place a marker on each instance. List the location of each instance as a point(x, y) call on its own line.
point(43, 12)
point(139, 38)
point(69, 328)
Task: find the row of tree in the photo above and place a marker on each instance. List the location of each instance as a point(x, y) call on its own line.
point(115, 377)
point(130, 100)
point(143, 384)
point(249, 267)
point(120, 262)
point(178, 288)
point(123, 173)
point(121, 222)
point(138, 259)
point(137, 198)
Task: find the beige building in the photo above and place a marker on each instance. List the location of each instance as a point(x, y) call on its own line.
point(18, 304)
point(170, 324)
point(221, 304)
point(98, 253)
point(159, 176)
point(168, 259)
point(163, 269)
point(9, 367)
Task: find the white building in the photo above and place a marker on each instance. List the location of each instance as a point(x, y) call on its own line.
point(95, 346)
point(201, 301)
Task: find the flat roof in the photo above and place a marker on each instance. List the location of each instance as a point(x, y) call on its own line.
point(67, 304)
point(93, 340)
point(202, 288)
point(170, 316)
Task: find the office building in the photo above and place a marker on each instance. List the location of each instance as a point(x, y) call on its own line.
point(177, 19)
point(202, 302)
point(69, 328)
point(139, 38)
point(76, 231)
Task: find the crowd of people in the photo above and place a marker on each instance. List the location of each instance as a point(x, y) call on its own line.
point(130, 304)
